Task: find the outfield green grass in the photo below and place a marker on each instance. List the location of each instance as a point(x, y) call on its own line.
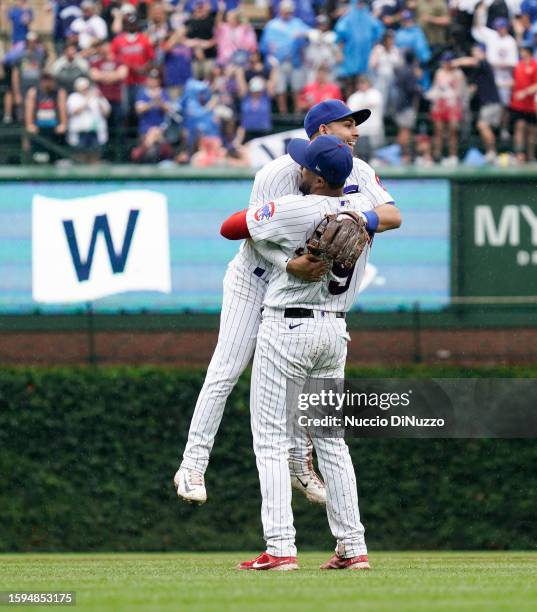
point(203, 581)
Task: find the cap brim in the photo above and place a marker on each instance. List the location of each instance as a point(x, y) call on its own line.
point(297, 151)
point(358, 116)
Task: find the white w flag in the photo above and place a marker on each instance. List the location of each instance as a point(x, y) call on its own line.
point(87, 248)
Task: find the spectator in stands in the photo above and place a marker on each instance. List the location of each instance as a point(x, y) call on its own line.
point(502, 52)
point(523, 107)
point(490, 108)
point(528, 10)
point(424, 155)
point(224, 86)
point(200, 34)
point(152, 104)
point(255, 114)
point(45, 111)
point(199, 114)
point(433, 17)
point(28, 67)
point(303, 10)
point(371, 131)
point(383, 61)
point(283, 39)
point(357, 32)
point(256, 67)
point(87, 130)
point(407, 94)
point(20, 15)
point(388, 11)
point(158, 26)
point(322, 88)
point(322, 50)
point(110, 76)
point(133, 49)
point(90, 28)
point(411, 36)
point(65, 12)
point(446, 95)
point(153, 108)
point(118, 13)
point(235, 37)
point(177, 62)
point(69, 67)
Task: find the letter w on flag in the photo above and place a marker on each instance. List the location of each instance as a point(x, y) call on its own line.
point(91, 247)
point(117, 261)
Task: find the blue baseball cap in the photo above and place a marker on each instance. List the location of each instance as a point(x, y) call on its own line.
point(327, 156)
point(500, 22)
point(331, 110)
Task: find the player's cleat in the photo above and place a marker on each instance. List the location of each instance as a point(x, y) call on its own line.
point(311, 485)
point(190, 485)
point(353, 563)
point(267, 562)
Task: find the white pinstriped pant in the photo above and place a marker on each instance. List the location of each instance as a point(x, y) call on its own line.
point(239, 324)
point(316, 348)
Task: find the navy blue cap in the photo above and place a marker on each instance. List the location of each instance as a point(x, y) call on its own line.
point(447, 56)
point(327, 156)
point(331, 110)
point(500, 22)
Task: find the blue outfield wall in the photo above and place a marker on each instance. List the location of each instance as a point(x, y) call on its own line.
point(408, 265)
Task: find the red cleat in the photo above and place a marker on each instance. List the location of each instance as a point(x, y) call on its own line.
point(354, 563)
point(268, 562)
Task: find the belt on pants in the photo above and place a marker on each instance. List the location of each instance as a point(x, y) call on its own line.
point(308, 313)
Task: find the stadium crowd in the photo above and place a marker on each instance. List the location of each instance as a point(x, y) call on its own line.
point(197, 80)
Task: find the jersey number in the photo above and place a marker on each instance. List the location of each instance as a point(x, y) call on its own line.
point(335, 288)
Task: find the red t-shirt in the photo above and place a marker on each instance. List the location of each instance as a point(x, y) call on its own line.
point(314, 93)
point(111, 91)
point(135, 51)
point(524, 75)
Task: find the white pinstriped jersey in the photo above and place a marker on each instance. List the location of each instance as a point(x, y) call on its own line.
point(289, 222)
point(281, 177)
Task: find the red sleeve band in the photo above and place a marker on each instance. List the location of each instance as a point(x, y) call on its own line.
point(235, 227)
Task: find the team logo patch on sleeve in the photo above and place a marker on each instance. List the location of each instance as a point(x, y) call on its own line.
point(265, 212)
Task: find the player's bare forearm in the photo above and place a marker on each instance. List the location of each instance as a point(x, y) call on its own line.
point(389, 217)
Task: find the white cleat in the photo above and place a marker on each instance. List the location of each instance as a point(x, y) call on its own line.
point(190, 485)
point(311, 485)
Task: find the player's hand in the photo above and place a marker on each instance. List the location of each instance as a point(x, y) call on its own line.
point(308, 268)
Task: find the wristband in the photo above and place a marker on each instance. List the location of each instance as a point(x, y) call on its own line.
point(372, 220)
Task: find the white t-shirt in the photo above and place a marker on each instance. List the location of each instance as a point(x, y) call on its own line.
point(501, 51)
point(90, 119)
point(289, 222)
point(89, 30)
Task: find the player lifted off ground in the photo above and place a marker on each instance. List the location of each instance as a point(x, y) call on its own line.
point(245, 284)
point(303, 335)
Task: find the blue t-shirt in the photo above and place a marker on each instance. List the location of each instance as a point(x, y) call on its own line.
point(255, 114)
point(20, 19)
point(177, 66)
point(154, 117)
point(282, 39)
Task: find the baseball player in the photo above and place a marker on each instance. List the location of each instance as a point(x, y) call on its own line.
point(245, 284)
point(303, 334)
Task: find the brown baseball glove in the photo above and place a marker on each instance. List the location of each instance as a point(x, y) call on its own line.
point(340, 238)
